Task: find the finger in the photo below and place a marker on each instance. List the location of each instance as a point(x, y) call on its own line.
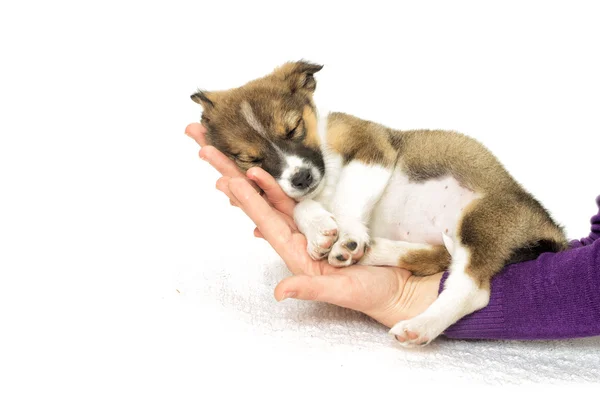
point(220, 162)
point(271, 224)
point(223, 186)
point(197, 132)
point(333, 289)
point(223, 164)
point(273, 191)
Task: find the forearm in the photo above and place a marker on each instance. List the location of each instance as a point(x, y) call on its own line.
point(556, 296)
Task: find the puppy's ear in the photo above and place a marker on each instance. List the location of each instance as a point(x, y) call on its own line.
point(205, 99)
point(299, 76)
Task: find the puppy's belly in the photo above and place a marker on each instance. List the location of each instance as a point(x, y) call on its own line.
point(420, 212)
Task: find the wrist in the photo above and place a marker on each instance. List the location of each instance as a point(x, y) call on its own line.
point(418, 293)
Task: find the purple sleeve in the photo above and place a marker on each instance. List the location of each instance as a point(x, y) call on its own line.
point(556, 296)
point(595, 231)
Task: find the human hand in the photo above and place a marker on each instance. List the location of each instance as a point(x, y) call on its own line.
point(387, 294)
point(228, 169)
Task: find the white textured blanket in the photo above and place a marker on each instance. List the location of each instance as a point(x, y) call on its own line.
point(235, 285)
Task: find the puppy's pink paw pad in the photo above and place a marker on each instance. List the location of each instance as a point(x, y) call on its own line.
point(415, 332)
point(346, 251)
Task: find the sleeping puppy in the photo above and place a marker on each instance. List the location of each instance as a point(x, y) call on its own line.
point(424, 200)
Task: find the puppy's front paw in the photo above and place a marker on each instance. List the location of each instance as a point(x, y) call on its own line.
point(417, 331)
point(348, 250)
point(321, 234)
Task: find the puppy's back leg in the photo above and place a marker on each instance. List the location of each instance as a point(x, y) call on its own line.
point(420, 259)
point(463, 294)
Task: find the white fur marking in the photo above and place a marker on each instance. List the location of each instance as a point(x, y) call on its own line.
point(293, 165)
point(252, 120)
point(448, 243)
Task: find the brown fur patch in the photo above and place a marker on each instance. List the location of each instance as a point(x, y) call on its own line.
point(360, 140)
point(430, 154)
point(498, 228)
point(426, 261)
point(310, 124)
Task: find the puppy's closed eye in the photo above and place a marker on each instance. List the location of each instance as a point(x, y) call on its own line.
point(297, 132)
point(247, 159)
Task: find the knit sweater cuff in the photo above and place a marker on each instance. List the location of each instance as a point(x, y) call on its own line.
point(594, 231)
point(488, 323)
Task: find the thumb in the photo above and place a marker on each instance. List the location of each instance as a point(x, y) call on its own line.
point(333, 289)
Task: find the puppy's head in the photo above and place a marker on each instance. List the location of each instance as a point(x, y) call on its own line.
point(271, 123)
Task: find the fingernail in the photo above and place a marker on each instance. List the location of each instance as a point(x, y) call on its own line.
point(288, 295)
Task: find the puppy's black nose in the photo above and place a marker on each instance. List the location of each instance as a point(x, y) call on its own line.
point(302, 179)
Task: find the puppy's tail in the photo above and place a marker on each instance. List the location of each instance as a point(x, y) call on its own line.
point(449, 243)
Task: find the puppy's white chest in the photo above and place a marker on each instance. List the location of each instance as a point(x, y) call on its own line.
point(420, 212)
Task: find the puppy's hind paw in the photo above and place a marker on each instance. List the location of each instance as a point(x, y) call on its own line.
point(418, 331)
point(346, 251)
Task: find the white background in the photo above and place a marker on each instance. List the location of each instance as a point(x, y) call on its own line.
point(112, 234)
